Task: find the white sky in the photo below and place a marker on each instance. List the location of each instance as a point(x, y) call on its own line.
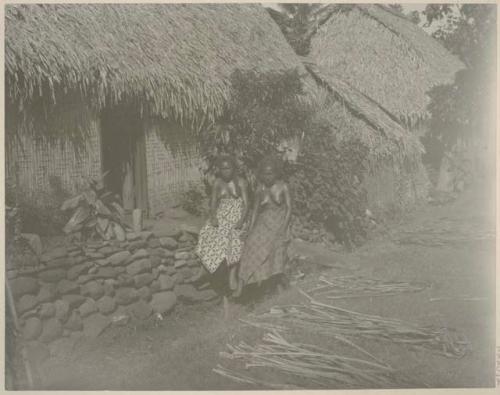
point(406, 6)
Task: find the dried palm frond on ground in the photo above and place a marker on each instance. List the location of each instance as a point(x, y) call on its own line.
point(355, 287)
point(442, 237)
point(306, 366)
point(337, 322)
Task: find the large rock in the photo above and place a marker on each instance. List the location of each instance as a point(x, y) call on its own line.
point(140, 266)
point(93, 289)
point(77, 270)
point(52, 329)
point(133, 236)
point(125, 296)
point(154, 243)
point(135, 245)
point(183, 255)
point(85, 278)
point(95, 324)
point(168, 242)
point(24, 286)
point(26, 303)
point(32, 328)
point(166, 282)
point(52, 275)
point(106, 272)
point(180, 263)
point(186, 273)
point(145, 235)
point(65, 287)
point(191, 229)
point(74, 322)
point(155, 261)
point(145, 293)
point(139, 254)
point(155, 286)
point(106, 305)
point(125, 280)
point(107, 250)
point(120, 317)
point(62, 310)
point(74, 301)
point(143, 279)
point(47, 310)
point(63, 262)
point(163, 302)
point(54, 254)
point(140, 310)
point(119, 258)
point(88, 307)
point(109, 288)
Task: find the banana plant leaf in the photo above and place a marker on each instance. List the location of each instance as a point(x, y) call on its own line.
point(102, 223)
point(90, 196)
point(102, 209)
point(80, 215)
point(119, 209)
point(71, 203)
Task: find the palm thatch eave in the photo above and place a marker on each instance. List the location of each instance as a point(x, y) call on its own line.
point(176, 58)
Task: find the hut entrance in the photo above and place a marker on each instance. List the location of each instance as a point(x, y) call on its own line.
point(124, 156)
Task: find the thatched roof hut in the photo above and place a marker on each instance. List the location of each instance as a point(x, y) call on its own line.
point(382, 55)
point(132, 78)
point(174, 59)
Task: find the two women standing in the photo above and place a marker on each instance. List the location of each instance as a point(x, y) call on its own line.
point(262, 254)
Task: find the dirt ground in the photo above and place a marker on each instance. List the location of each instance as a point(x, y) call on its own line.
point(180, 353)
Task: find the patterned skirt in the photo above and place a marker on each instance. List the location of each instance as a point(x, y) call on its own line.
point(216, 244)
point(265, 252)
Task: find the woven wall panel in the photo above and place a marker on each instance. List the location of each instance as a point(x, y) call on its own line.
point(169, 174)
point(32, 166)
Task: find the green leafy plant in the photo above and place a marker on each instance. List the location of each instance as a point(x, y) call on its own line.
point(327, 184)
point(97, 213)
point(194, 202)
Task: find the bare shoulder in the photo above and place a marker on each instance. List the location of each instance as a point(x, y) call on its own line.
point(283, 186)
point(242, 182)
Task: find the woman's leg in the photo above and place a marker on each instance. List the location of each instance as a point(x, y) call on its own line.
point(233, 277)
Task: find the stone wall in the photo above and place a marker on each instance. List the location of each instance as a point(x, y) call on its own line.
point(82, 289)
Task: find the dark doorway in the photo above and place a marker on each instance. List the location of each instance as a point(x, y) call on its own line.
point(124, 156)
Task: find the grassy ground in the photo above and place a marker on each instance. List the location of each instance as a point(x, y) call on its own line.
point(180, 353)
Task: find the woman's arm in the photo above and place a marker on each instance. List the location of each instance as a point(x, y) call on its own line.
point(214, 203)
point(256, 205)
point(288, 204)
point(244, 196)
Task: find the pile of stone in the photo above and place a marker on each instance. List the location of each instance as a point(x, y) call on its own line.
point(80, 290)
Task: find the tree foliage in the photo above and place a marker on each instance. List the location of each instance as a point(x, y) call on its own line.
point(268, 109)
point(463, 109)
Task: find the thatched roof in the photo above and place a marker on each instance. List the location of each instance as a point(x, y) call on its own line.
point(383, 55)
point(355, 116)
point(175, 58)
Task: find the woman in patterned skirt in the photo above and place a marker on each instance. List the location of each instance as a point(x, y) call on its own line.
point(220, 239)
point(264, 254)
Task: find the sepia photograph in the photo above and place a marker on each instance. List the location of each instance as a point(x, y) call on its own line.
point(250, 196)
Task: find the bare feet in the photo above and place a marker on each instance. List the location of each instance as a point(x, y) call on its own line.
point(239, 289)
point(233, 279)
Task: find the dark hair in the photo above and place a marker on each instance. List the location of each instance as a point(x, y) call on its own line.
point(273, 162)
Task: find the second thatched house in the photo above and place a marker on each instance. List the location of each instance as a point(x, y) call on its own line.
point(381, 65)
point(121, 88)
